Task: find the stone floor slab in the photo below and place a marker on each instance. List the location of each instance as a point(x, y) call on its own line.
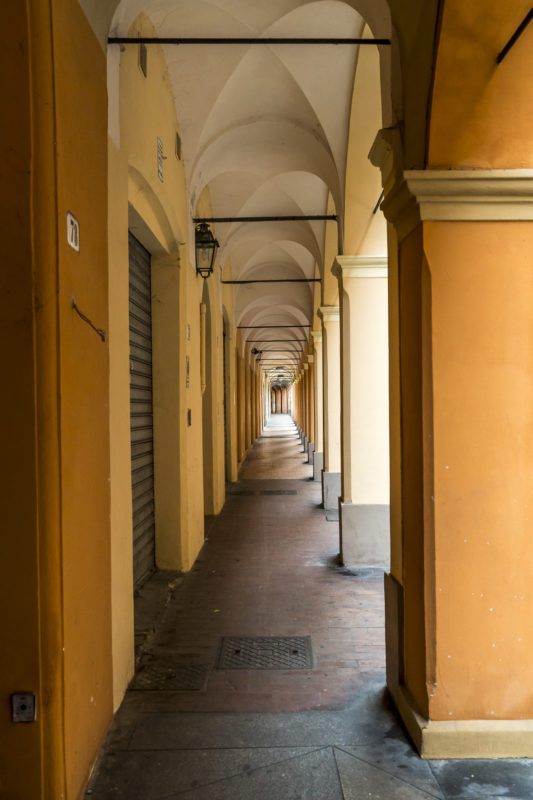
point(310, 777)
point(467, 779)
point(160, 731)
point(149, 775)
point(361, 781)
point(396, 757)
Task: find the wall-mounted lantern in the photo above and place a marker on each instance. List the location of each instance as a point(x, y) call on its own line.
point(206, 249)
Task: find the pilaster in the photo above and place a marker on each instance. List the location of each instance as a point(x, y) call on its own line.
point(331, 473)
point(364, 506)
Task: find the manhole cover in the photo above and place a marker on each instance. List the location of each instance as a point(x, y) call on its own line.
point(266, 652)
point(278, 491)
point(166, 676)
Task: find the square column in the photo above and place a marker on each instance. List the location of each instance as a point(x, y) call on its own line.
point(311, 399)
point(306, 406)
point(459, 643)
point(318, 389)
point(364, 505)
point(331, 474)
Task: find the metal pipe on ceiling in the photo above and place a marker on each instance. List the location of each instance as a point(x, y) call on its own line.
point(291, 218)
point(276, 280)
point(240, 40)
point(514, 38)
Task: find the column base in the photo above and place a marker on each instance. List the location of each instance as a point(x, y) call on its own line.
point(468, 738)
point(437, 739)
point(365, 535)
point(318, 464)
point(310, 452)
point(305, 442)
point(331, 490)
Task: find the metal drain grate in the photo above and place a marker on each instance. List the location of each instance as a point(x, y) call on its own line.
point(166, 676)
point(266, 652)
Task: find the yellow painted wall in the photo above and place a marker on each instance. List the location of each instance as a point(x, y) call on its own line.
point(81, 125)
point(364, 232)
point(20, 754)
point(157, 213)
point(56, 559)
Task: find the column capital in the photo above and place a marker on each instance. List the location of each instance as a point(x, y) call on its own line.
point(399, 206)
point(329, 313)
point(305, 366)
point(472, 195)
point(360, 267)
point(310, 359)
point(317, 336)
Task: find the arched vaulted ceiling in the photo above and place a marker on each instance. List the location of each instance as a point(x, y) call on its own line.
point(265, 131)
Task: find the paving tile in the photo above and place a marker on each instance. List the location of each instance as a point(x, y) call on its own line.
point(361, 781)
point(309, 777)
point(395, 756)
point(149, 775)
point(468, 779)
point(365, 723)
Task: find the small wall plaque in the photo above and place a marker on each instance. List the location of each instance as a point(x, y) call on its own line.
point(73, 232)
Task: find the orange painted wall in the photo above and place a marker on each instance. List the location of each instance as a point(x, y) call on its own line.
point(55, 546)
point(19, 666)
point(482, 114)
point(482, 284)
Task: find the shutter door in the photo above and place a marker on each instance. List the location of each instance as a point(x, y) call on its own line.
point(141, 415)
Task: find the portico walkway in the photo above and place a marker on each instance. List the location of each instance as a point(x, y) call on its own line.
point(269, 568)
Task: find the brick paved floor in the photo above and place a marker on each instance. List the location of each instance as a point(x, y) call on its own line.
point(269, 568)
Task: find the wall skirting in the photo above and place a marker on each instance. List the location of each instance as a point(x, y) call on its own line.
point(331, 490)
point(364, 534)
point(474, 738)
point(318, 465)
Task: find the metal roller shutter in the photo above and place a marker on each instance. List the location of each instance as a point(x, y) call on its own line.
point(141, 413)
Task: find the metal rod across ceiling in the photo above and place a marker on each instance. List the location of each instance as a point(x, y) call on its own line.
point(278, 280)
point(279, 218)
point(518, 32)
point(237, 40)
point(274, 326)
